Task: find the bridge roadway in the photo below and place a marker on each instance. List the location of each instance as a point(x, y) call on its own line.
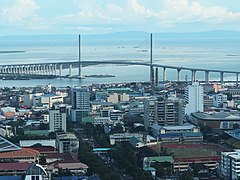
point(52, 67)
point(118, 62)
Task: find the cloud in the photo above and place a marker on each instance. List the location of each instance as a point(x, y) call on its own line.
point(132, 13)
point(24, 14)
point(21, 10)
point(90, 15)
point(185, 11)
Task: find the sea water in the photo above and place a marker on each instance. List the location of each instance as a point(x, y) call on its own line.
point(210, 53)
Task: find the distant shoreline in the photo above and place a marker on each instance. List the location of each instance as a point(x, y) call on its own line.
point(7, 52)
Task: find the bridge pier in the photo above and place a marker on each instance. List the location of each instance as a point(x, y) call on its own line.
point(38, 69)
point(164, 74)
point(55, 69)
point(237, 79)
point(221, 78)
point(207, 77)
point(49, 69)
point(178, 74)
point(70, 70)
point(60, 70)
point(193, 75)
point(156, 76)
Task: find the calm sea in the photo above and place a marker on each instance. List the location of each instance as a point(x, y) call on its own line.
point(211, 53)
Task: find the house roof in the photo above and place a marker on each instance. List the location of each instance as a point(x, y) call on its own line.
point(67, 157)
point(8, 109)
point(67, 165)
point(45, 149)
point(15, 166)
point(24, 152)
point(133, 140)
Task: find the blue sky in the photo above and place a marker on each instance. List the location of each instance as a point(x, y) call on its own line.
point(103, 16)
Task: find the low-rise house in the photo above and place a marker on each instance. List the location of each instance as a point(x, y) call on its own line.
point(8, 112)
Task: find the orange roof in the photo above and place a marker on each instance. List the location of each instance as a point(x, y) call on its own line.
point(24, 152)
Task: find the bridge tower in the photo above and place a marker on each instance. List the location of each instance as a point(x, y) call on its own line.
point(151, 62)
point(79, 57)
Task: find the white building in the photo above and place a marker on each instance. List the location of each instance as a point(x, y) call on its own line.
point(219, 100)
point(194, 98)
point(47, 100)
point(116, 97)
point(80, 99)
point(67, 142)
point(58, 119)
point(230, 165)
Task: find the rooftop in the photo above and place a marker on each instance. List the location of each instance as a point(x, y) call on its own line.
point(14, 166)
point(216, 116)
point(66, 136)
point(24, 152)
point(160, 159)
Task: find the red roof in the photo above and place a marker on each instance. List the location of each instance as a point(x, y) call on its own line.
point(14, 166)
point(45, 149)
point(66, 157)
point(24, 152)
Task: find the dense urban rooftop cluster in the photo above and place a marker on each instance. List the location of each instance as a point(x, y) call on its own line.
point(170, 130)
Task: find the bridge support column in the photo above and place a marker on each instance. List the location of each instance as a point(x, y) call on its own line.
point(31, 69)
point(164, 74)
point(70, 70)
point(221, 78)
point(237, 79)
point(178, 74)
point(55, 69)
point(193, 76)
point(38, 69)
point(60, 70)
point(207, 77)
point(156, 76)
point(22, 70)
point(44, 69)
point(49, 69)
point(16, 69)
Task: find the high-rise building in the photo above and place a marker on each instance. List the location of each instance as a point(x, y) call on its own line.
point(164, 112)
point(80, 99)
point(229, 166)
point(58, 119)
point(194, 98)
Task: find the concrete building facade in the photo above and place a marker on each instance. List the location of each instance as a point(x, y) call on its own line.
point(58, 119)
point(67, 142)
point(230, 165)
point(194, 98)
point(80, 99)
point(163, 112)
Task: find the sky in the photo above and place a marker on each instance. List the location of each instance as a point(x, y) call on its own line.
point(29, 17)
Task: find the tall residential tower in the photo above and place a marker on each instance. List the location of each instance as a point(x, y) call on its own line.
point(194, 98)
point(80, 99)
